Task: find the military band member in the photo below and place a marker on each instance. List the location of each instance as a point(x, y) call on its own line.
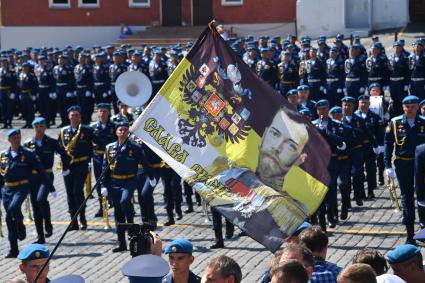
point(399, 77)
point(16, 165)
point(343, 50)
point(115, 70)
point(266, 69)
point(44, 147)
point(63, 74)
point(377, 67)
point(123, 114)
point(104, 131)
point(172, 62)
point(84, 87)
point(251, 57)
point(403, 134)
point(158, 72)
point(356, 73)
point(77, 140)
point(8, 98)
point(137, 64)
point(417, 69)
point(292, 97)
point(335, 78)
point(121, 165)
point(315, 75)
point(323, 49)
point(101, 80)
point(27, 84)
point(304, 100)
point(46, 91)
point(287, 73)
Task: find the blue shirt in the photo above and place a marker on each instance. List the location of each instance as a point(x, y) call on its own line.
point(325, 272)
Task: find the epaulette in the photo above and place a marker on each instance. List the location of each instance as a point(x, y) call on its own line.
point(397, 118)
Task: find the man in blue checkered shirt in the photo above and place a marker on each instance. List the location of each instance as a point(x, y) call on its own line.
point(317, 241)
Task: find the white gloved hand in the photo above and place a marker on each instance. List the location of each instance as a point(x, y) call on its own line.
point(109, 92)
point(339, 90)
point(406, 88)
point(376, 150)
point(66, 172)
point(69, 94)
point(362, 89)
point(33, 98)
point(75, 93)
point(152, 182)
point(322, 88)
point(381, 149)
point(12, 96)
point(344, 90)
point(104, 192)
point(104, 95)
point(386, 88)
point(387, 116)
point(53, 194)
point(342, 147)
point(421, 203)
point(88, 93)
point(390, 173)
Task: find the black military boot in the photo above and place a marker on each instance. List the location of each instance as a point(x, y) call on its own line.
point(21, 230)
point(83, 221)
point(179, 212)
point(230, 229)
point(331, 217)
point(370, 194)
point(99, 213)
point(410, 230)
point(74, 225)
point(170, 219)
point(421, 214)
point(13, 252)
point(48, 228)
point(122, 243)
point(344, 211)
point(189, 203)
point(219, 242)
point(40, 232)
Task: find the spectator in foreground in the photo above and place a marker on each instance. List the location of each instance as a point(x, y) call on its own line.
point(315, 239)
point(357, 273)
point(290, 271)
point(222, 269)
point(406, 262)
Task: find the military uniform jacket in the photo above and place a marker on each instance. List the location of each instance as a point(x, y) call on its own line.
point(417, 66)
point(377, 68)
point(8, 80)
point(18, 170)
point(251, 62)
point(101, 76)
point(316, 71)
point(404, 138)
point(83, 76)
point(361, 134)
point(45, 78)
point(420, 172)
point(309, 104)
point(356, 69)
point(288, 72)
point(335, 69)
point(141, 67)
point(374, 124)
point(335, 133)
point(64, 77)
point(115, 71)
point(192, 278)
point(46, 151)
point(120, 117)
point(267, 71)
point(398, 68)
point(323, 55)
point(82, 148)
point(171, 66)
point(27, 83)
point(122, 166)
point(158, 72)
point(105, 134)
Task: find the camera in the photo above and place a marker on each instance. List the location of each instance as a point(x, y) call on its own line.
point(140, 238)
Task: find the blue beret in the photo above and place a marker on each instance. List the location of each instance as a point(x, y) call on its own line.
point(146, 269)
point(305, 112)
point(307, 49)
point(364, 97)
point(356, 46)
point(356, 36)
point(122, 123)
point(334, 49)
point(301, 228)
point(100, 55)
point(117, 53)
point(377, 45)
point(335, 109)
point(372, 85)
point(418, 42)
point(410, 99)
point(63, 56)
point(292, 92)
point(264, 49)
point(313, 49)
point(42, 58)
point(402, 253)
point(397, 43)
point(69, 279)
point(13, 132)
point(179, 246)
point(74, 108)
point(103, 106)
point(25, 64)
point(286, 52)
point(125, 45)
point(340, 36)
point(157, 51)
point(348, 99)
point(322, 102)
point(303, 87)
point(33, 251)
point(39, 120)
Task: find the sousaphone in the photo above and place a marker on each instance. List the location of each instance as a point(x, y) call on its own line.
point(133, 88)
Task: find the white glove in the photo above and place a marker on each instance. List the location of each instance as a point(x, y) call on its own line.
point(339, 90)
point(54, 194)
point(386, 88)
point(376, 150)
point(12, 96)
point(34, 98)
point(75, 93)
point(390, 173)
point(387, 116)
point(406, 88)
point(66, 172)
point(153, 182)
point(322, 88)
point(104, 95)
point(88, 93)
point(362, 90)
point(342, 147)
point(104, 192)
point(421, 203)
point(69, 94)
point(381, 149)
point(344, 90)
point(109, 92)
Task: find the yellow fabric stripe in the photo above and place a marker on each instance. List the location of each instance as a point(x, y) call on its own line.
point(305, 188)
point(244, 153)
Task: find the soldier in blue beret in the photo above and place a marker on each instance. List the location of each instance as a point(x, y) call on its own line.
point(287, 73)
point(27, 85)
point(146, 269)
point(292, 97)
point(68, 279)
point(304, 100)
point(44, 147)
point(377, 67)
point(403, 134)
point(406, 263)
point(32, 258)
point(356, 72)
point(84, 87)
point(115, 70)
point(101, 79)
point(8, 88)
point(180, 257)
point(46, 91)
point(104, 130)
point(306, 112)
point(266, 68)
point(16, 166)
point(417, 70)
point(158, 72)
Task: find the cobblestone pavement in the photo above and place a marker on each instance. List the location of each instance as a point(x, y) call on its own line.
point(88, 253)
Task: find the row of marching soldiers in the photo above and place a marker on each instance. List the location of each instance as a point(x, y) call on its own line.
point(52, 82)
point(129, 165)
point(360, 142)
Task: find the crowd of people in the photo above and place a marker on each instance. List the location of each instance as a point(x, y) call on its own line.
point(303, 259)
point(331, 86)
